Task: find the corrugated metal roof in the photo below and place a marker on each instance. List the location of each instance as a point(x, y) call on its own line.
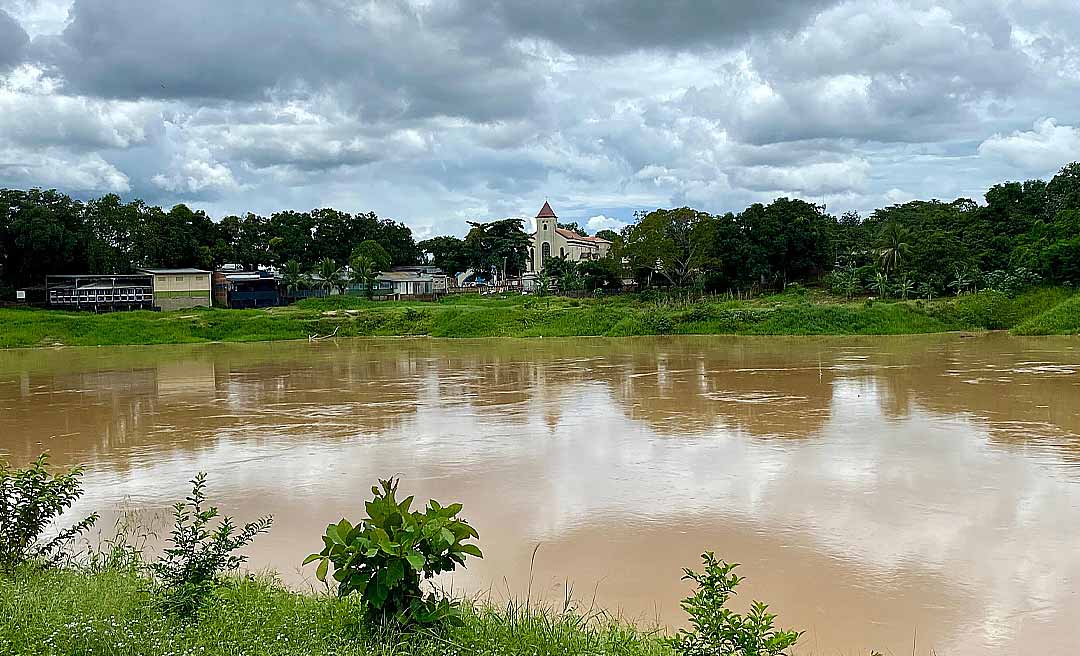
point(169, 272)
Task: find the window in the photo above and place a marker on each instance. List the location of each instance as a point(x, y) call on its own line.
point(545, 252)
point(545, 227)
point(562, 252)
point(179, 278)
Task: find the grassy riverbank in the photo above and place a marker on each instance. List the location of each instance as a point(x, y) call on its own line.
point(802, 312)
point(113, 613)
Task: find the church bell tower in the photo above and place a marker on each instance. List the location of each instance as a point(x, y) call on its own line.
point(544, 244)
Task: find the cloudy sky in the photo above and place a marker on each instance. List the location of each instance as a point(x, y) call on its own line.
point(436, 112)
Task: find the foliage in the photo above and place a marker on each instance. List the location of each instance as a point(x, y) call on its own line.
point(448, 253)
point(719, 631)
point(199, 555)
point(330, 275)
point(498, 247)
point(31, 499)
point(374, 252)
point(363, 271)
point(387, 556)
point(293, 277)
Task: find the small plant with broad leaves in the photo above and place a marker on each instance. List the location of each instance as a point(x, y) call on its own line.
point(30, 500)
point(390, 553)
point(199, 555)
point(719, 631)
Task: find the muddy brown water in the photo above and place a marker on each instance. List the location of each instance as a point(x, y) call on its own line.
point(871, 488)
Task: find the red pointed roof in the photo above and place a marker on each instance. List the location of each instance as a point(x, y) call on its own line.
point(546, 212)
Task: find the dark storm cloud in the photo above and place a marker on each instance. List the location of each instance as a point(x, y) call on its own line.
point(613, 26)
point(13, 40)
point(383, 60)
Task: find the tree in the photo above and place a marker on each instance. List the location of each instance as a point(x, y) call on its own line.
point(1063, 192)
point(363, 272)
point(448, 253)
point(604, 273)
point(609, 235)
point(374, 251)
point(294, 278)
point(574, 227)
point(330, 275)
point(672, 243)
point(498, 247)
point(893, 246)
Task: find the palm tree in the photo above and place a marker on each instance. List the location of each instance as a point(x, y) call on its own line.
point(363, 272)
point(294, 278)
point(893, 246)
point(330, 274)
point(926, 290)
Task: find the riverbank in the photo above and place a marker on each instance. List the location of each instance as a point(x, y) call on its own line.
point(798, 312)
point(113, 612)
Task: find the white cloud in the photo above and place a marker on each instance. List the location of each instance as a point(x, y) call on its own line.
point(601, 222)
point(58, 169)
point(1042, 150)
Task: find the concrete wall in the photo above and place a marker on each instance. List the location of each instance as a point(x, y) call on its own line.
point(180, 291)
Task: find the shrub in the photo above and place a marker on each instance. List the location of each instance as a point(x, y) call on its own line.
point(190, 569)
point(719, 631)
point(30, 500)
point(387, 556)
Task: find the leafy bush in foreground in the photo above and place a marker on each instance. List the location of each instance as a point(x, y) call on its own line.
point(30, 500)
point(387, 556)
point(199, 556)
point(720, 631)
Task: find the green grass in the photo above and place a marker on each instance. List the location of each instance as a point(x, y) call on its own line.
point(1039, 311)
point(113, 613)
point(1061, 319)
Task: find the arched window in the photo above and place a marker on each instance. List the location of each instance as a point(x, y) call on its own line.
point(545, 252)
point(562, 252)
point(532, 258)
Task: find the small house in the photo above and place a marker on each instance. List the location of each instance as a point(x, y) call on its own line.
point(178, 289)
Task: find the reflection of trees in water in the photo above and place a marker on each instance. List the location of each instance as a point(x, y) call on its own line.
point(1023, 391)
point(97, 400)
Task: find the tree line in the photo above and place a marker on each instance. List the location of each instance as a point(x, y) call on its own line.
point(44, 232)
point(1025, 231)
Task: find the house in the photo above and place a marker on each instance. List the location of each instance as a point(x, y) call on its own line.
point(100, 292)
point(177, 289)
point(440, 282)
point(405, 284)
point(246, 289)
point(550, 240)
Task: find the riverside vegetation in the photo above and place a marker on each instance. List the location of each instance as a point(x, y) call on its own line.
point(193, 600)
point(797, 311)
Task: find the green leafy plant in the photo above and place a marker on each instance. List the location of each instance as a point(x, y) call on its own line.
point(719, 631)
point(391, 552)
point(191, 568)
point(30, 500)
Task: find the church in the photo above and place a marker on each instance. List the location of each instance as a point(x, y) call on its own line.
point(550, 240)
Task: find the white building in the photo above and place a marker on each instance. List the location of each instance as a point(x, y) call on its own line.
point(550, 240)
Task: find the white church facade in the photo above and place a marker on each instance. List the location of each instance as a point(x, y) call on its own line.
point(550, 240)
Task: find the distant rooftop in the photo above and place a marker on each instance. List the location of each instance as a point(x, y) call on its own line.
point(570, 234)
point(169, 272)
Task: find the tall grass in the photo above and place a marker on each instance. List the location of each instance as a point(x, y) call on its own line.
point(113, 612)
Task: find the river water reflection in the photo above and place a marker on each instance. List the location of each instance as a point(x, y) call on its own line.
point(869, 486)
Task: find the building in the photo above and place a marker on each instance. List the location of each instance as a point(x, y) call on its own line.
point(440, 282)
point(550, 240)
point(177, 289)
point(245, 289)
point(405, 284)
point(100, 293)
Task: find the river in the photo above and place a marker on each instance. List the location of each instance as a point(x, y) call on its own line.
point(871, 488)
